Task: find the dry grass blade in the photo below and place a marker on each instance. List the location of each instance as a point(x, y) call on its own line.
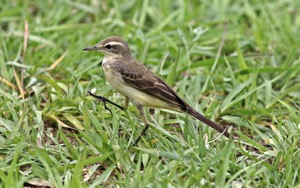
point(58, 61)
point(26, 34)
point(25, 42)
point(20, 85)
point(59, 122)
point(9, 84)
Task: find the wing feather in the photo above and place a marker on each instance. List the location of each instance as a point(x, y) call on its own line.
point(152, 85)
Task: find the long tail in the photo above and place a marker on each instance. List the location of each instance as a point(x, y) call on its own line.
point(208, 122)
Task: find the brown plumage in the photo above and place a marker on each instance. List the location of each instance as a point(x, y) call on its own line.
point(135, 81)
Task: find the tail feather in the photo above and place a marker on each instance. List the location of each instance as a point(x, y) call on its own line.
point(208, 122)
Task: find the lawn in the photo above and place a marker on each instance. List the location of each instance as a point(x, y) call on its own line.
point(236, 62)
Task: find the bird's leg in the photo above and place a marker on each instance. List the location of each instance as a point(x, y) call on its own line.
point(126, 103)
point(142, 114)
point(104, 100)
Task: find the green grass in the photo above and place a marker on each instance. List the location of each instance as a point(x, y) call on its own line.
point(237, 62)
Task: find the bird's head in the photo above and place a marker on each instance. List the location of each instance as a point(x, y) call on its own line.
point(111, 46)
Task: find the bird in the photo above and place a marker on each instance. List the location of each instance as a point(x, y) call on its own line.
point(140, 85)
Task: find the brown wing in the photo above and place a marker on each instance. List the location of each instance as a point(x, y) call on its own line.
point(146, 81)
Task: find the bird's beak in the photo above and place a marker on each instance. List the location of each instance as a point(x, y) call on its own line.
point(90, 48)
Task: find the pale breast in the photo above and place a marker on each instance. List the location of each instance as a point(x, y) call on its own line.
point(111, 75)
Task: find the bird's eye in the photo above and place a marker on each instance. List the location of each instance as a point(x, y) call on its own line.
point(108, 46)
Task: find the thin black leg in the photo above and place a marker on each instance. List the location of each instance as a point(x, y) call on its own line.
point(143, 133)
point(104, 100)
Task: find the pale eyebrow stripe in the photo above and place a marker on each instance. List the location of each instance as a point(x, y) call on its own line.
point(116, 43)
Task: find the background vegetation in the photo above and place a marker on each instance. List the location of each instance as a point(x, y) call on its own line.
point(237, 62)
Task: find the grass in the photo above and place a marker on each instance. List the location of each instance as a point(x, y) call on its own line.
point(237, 62)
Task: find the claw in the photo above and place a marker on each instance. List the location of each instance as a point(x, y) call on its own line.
point(104, 100)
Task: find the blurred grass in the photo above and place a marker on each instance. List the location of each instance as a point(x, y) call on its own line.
point(56, 135)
